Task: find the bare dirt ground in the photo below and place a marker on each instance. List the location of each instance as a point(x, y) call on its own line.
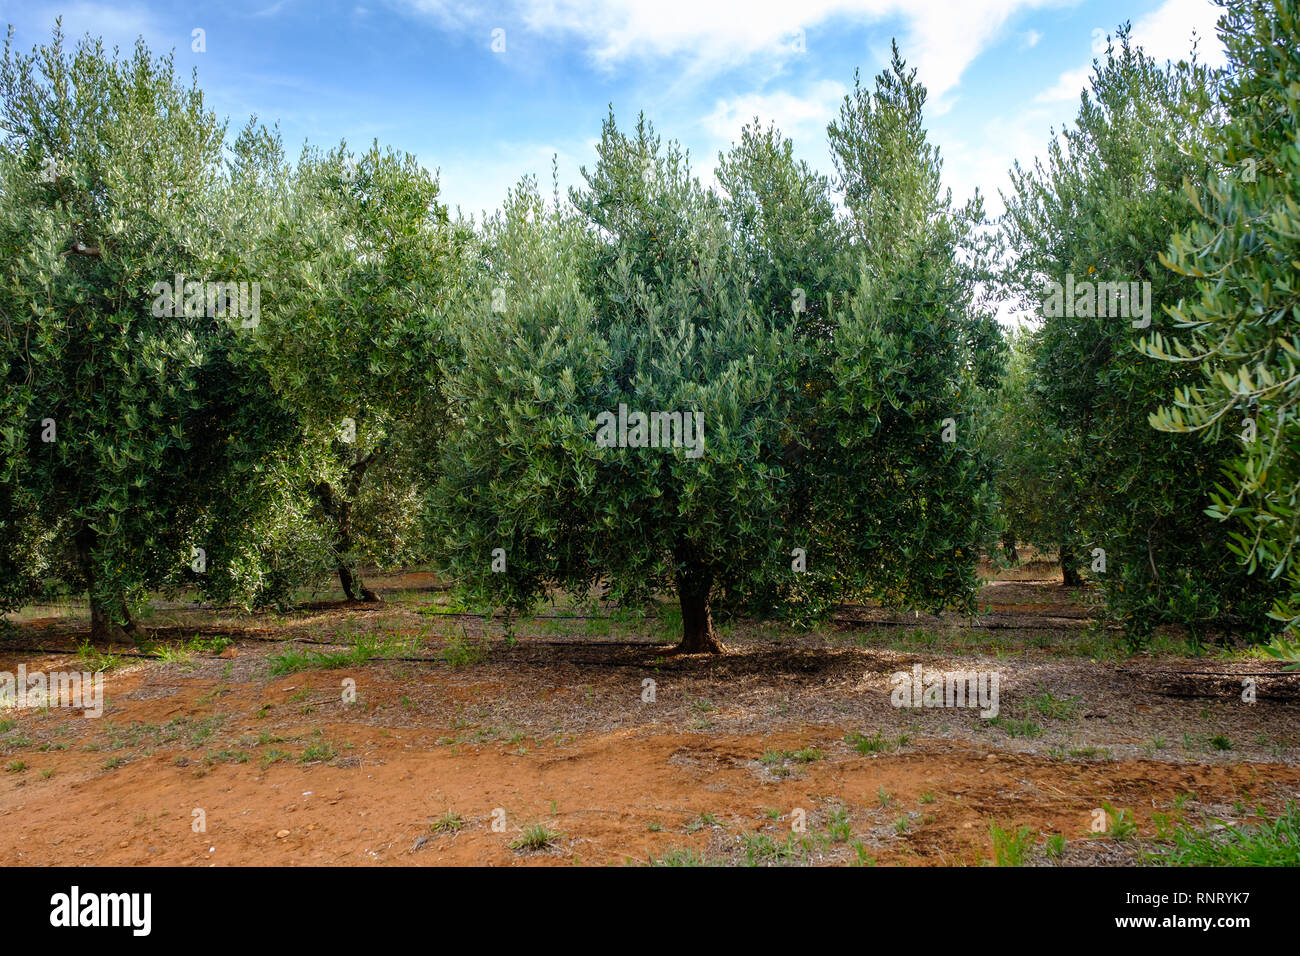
point(228, 742)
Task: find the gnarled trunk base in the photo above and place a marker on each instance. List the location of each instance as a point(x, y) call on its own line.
point(1070, 569)
point(698, 635)
point(106, 626)
point(109, 621)
point(352, 585)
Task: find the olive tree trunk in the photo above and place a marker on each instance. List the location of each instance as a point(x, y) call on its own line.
point(110, 620)
point(338, 511)
point(694, 585)
point(1070, 568)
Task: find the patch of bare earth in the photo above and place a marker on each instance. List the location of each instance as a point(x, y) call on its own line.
point(785, 750)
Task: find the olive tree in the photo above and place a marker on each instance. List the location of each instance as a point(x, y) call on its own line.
point(1086, 229)
point(1235, 345)
point(730, 396)
point(1035, 479)
point(367, 263)
point(136, 415)
point(618, 397)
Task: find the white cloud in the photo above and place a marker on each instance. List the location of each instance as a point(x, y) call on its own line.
point(802, 118)
point(477, 182)
point(940, 39)
point(1164, 34)
point(984, 160)
point(1068, 87)
point(798, 117)
point(448, 15)
point(1030, 39)
point(272, 10)
point(116, 24)
point(945, 39)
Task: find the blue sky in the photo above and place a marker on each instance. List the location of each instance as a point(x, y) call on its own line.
point(485, 107)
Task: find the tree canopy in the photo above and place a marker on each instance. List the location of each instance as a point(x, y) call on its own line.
point(772, 395)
